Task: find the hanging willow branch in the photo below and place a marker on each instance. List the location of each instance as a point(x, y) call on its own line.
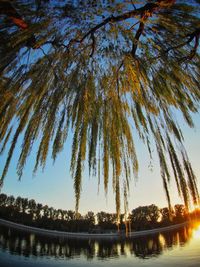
point(94, 76)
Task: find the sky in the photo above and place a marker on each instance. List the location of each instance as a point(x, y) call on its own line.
point(54, 185)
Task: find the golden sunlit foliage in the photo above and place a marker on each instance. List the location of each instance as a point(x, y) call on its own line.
point(103, 70)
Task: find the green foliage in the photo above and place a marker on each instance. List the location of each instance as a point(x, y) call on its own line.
point(105, 70)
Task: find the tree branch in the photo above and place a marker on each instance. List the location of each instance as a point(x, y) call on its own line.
point(137, 37)
point(150, 7)
point(145, 11)
point(133, 5)
point(195, 35)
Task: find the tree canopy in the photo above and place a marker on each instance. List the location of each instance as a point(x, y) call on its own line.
point(104, 70)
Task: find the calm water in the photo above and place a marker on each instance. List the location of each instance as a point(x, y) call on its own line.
point(175, 248)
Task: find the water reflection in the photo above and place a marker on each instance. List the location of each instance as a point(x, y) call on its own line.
point(26, 244)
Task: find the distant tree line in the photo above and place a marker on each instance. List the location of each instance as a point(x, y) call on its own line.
point(28, 212)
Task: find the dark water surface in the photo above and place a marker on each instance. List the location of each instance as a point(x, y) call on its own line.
point(176, 248)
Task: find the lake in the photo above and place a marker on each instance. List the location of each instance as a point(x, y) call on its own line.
point(175, 248)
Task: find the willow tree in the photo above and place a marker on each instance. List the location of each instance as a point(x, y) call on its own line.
point(104, 70)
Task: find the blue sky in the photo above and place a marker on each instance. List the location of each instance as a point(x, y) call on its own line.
point(54, 186)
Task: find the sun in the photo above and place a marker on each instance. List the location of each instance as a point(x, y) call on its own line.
point(196, 232)
point(194, 208)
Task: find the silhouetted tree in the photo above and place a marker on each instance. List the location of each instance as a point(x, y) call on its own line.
point(32, 208)
point(180, 213)
point(36, 214)
point(10, 200)
point(3, 199)
point(145, 217)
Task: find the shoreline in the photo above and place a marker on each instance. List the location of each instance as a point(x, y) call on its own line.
point(54, 233)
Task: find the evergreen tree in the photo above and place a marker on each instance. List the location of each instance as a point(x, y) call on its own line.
point(105, 70)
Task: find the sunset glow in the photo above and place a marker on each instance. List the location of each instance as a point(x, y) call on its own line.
point(196, 232)
point(194, 208)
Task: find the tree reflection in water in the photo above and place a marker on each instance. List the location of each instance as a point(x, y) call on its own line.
point(26, 244)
